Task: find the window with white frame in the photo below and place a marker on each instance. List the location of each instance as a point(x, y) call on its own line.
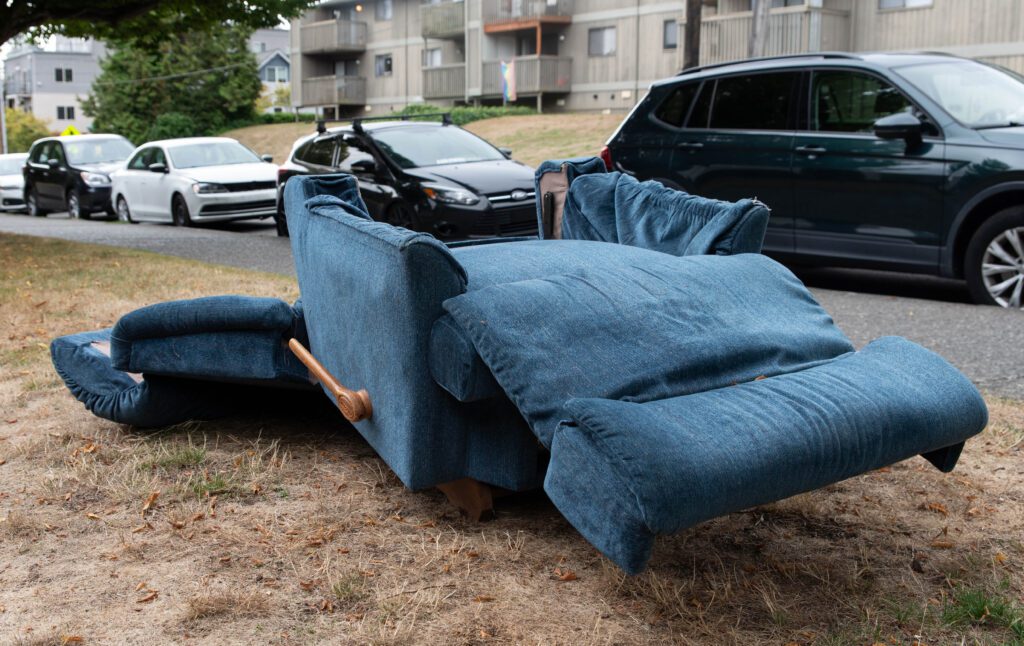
point(63, 75)
point(383, 10)
point(276, 74)
point(903, 4)
point(382, 65)
point(601, 41)
point(65, 113)
point(432, 57)
point(669, 34)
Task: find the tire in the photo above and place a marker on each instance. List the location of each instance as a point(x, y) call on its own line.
point(282, 226)
point(74, 205)
point(179, 212)
point(32, 202)
point(123, 213)
point(401, 215)
point(994, 262)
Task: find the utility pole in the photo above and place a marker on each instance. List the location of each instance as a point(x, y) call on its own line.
point(3, 119)
point(691, 35)
point(758, 28)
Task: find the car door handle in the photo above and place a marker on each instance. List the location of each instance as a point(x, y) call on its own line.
point(810, 150)
point(690, 145)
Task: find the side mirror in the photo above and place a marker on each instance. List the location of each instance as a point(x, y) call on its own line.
point(267, 158)
point(364, 167)
point(505, 151)
point(901, 125)
point(52, 163)
point(158, 168)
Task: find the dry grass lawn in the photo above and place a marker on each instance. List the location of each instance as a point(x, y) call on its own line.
point(288, 530)
point(532, 138)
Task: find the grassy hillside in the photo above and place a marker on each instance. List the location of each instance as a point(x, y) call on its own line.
point(532, 138)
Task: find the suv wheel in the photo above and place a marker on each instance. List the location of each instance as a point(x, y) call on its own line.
point(282, 225)
point(179, 212)
point(32, 201)
point(74, 205)
point(994, 263)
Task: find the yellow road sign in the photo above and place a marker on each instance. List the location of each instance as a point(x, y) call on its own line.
point(70, 130)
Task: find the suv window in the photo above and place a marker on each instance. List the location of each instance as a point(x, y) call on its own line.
point(320, 153)
point(755, 102)
point(674, 108)
point(843, 101)
point(41, 153)
point(350, 151)
point(57, 152)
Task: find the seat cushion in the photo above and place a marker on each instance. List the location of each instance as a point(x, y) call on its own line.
point(83, 362)
point(642, 326)
point(219, 338)
point(622, 472)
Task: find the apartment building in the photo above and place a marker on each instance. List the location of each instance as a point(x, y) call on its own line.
point(363, 56)
point(49, 82)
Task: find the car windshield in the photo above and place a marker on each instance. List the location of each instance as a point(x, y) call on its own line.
point(95, 151)
point(415, 147)
point(976, 95)
point(12, 165)
point(215, 153)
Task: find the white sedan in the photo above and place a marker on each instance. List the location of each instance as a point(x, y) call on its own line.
point(12, 182)
point(197, 179)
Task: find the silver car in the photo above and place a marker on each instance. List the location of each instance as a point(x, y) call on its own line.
point(12, 182)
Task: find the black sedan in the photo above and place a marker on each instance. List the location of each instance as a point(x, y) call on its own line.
point(421, 175)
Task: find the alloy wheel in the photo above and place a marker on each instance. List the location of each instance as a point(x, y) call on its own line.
point(74, 207)
point(1002, 268)
point(123, 214)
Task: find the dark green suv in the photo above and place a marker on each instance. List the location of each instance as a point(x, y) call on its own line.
point(908, 162)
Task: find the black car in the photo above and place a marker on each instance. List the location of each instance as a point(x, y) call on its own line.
point(908, 162)
point(73, 173)
point(421, 175)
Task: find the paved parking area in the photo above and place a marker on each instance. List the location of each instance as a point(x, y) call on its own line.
point(987, 343)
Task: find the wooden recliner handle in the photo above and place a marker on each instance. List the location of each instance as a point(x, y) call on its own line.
point(354, 404)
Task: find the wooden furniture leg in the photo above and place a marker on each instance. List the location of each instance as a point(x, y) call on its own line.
point(472, 497)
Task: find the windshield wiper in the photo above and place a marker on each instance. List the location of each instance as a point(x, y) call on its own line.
point(1005, 124)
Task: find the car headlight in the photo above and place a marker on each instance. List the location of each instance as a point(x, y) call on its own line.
point(207, 187)
point(450, 194)
point(95, 179)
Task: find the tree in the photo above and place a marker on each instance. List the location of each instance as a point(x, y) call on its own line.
point(22, 129)
point(142, 22)
point(207, 80)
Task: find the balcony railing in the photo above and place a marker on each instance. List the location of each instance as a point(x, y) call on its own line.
point(498, 11)
point(13, 87)
point(444, 20)
point(334, 90)
point(791, 30)
point(533, 74)
point(444, 82)
point(332, 36)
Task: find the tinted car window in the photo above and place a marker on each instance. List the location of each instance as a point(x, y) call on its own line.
point(320, 153)
point(851, 101)
point(350, 151)
point(41, 153)
point(57, 152)
point(94, 151)
point(138, 162)
point(757, 102)
point(674, 108)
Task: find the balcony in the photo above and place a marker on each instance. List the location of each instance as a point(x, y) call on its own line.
point(14, 87)
point(445, 20)
point(791, 30)
point(507, 15)
point(444, 82)
point(334, 90)
point(534, 74)
point(332, 37)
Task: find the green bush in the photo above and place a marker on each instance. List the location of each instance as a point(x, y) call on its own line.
point(462, 115)
point(172, 125)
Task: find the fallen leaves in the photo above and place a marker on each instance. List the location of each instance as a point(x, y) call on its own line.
point(936, 507)
point(565, 575)
point(150, 501)
point(153, 594)
point(483, 598)
point(70, 639)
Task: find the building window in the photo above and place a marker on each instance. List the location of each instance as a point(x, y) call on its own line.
point(62, 74)
point(786, 3)
point(432, 57)
point(601, 41)
point(383, 10)
point(276, 74)
point(669, 34)
point(382, 65)
point(65, 113)
point(903, 4)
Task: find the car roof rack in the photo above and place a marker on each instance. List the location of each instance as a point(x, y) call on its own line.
point(357, 122)
point(701, 68)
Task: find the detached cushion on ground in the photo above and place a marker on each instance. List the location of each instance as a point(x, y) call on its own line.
point(219, 338)
point(642, 331)
point(622, 472)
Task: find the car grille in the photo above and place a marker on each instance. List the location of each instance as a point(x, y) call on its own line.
point(519, 220)
point(504, 200)
point(239, 206)
point(238, 187)
point(13, 202)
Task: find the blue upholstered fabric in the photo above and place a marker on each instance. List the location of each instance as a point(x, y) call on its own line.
point(643, 330)
point(220, 338)
point(115, 395)
point(371, 294)
point(455, 364)
point(662, 466)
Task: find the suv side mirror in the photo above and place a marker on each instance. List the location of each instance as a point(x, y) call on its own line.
point(901, 125)
point(267, 158)
point(505, 151)
point(364, 166)
point(158, 167)
point(52, 163)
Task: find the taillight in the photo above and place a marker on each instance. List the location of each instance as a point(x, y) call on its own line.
point(282, 175)
point(606, 157)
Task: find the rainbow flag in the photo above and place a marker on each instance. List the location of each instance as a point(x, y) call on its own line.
point(508, 80)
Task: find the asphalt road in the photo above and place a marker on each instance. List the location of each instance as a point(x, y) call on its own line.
point(986, 343)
